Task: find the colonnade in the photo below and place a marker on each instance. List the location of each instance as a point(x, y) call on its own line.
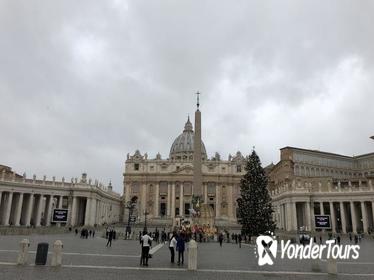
point(345, 215)
point(32, 209)
point(28, 209)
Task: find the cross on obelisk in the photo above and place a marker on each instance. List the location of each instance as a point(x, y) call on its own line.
point(198, 101)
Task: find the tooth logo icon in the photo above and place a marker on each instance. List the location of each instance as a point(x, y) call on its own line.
point(266, 249)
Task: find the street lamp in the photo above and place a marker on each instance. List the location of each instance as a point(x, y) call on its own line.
point(131, 206)
point(145, 220)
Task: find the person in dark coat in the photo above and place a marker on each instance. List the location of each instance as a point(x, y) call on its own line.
point(220, 239)
point(110, 238)
point(180, 248)
point(240, 240)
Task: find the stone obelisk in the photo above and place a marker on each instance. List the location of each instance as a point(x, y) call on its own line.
point(197, 177)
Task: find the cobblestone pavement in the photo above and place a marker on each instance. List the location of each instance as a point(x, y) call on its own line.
point(91, 259)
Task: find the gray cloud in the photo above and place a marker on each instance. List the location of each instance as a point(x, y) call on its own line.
point(82, 83)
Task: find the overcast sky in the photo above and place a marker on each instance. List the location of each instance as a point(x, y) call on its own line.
point(82, 83)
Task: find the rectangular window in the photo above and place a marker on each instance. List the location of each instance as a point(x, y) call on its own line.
point(135, 188)
point(187, 188)
point(211, 189)
point(187, 209)
point(163, 188)
point(136, 166)
point(177, 211)
point(163, 209)
point(238, 168)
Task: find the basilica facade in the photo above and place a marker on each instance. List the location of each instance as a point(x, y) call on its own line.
point(164, 188)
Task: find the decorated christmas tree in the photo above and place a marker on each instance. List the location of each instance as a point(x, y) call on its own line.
point(255, 211)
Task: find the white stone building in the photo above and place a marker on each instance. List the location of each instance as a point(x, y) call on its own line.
point(305, 183)
point(29, 202)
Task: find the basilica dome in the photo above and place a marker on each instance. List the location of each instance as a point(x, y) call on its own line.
point(183, 145)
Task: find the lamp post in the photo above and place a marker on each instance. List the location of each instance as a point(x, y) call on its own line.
point(130, 205)
point(145, 220)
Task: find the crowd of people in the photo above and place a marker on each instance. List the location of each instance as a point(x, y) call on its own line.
point(85, 233)
point(304, 239)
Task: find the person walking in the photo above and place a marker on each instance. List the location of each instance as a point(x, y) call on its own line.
point(240, 240)
point(180, 248)
point(220, 239)
point(146, 242)
point(110, 238)
point(172, 246)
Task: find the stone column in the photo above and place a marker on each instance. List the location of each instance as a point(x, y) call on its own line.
point(364, 217)
point(372, 210)
point(353, 215)
point(280, 222)
point(322, 210)
point(127, 192)
point(173, 200)
point(19, 210)
point(308, 218)
point(39, 211)
point(30, 207)
point(73, 214)
point(157, 202)
point(205, 193)
point(144, 199)
point(168, 212)
point(60, 201)
point(294, 215)
point(181, 201)
point(312, 221)
point(288, 216)
point(59, 206)
point(97, 217)
point(218, 202)
point(87, 214)
point(8, 209)
point(229, 202)
point(49, 212)
point(284, 216)
point(93, 211)
point(342, 217)
point(333, 219)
